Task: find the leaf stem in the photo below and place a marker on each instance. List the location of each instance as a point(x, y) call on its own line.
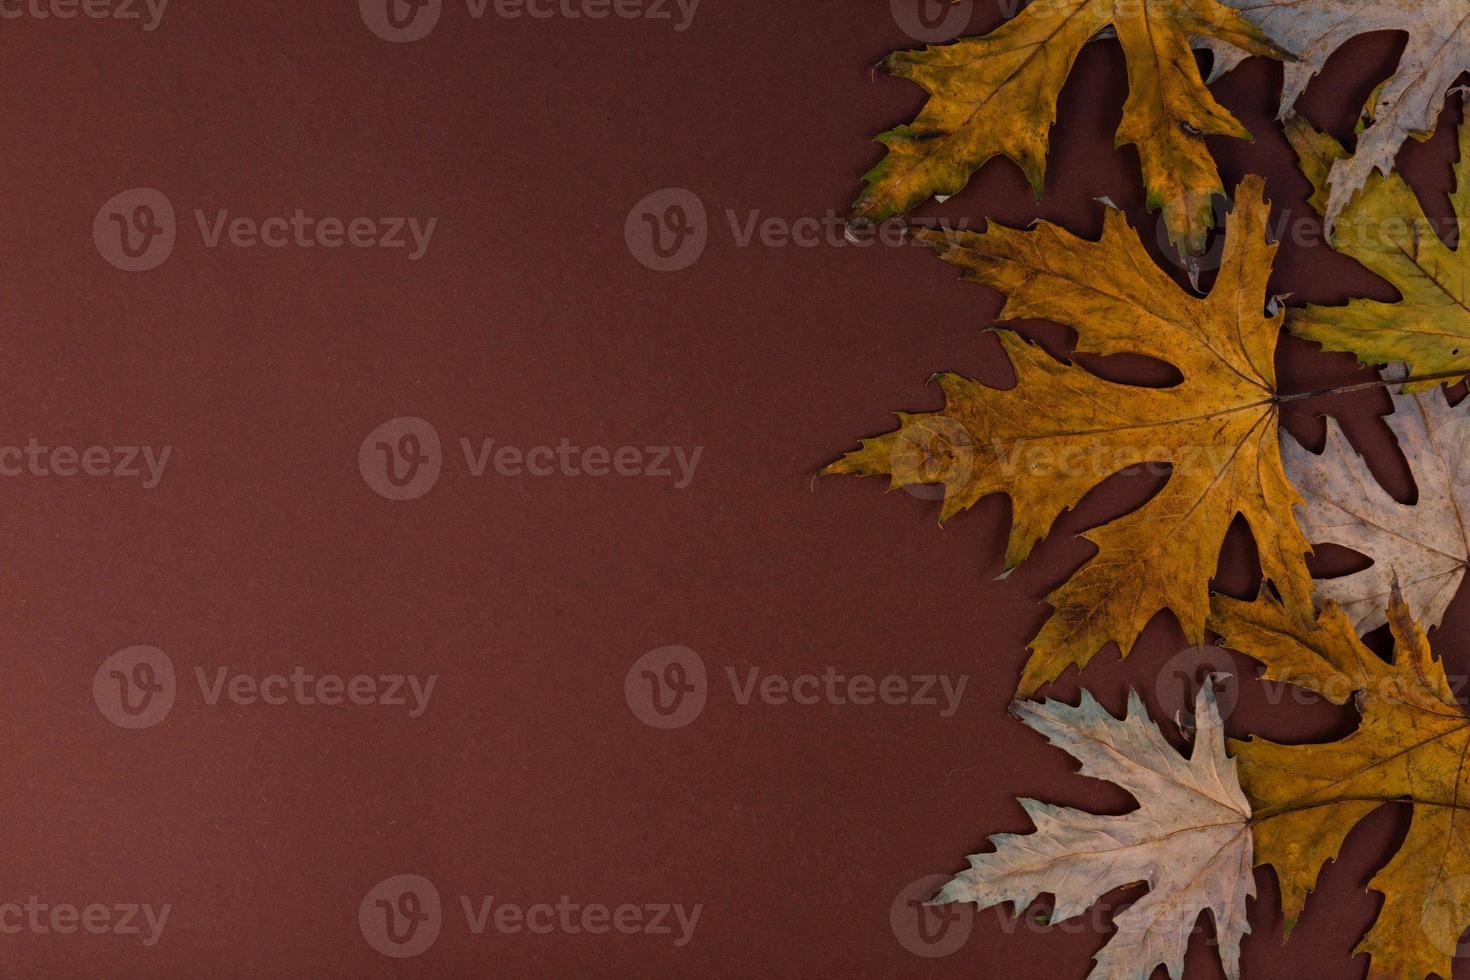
point(1282, 810)
point(1380, 383)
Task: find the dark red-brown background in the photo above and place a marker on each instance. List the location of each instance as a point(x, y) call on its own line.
point(529, 778)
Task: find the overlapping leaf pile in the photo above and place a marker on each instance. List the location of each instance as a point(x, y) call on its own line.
point(1410, 745)
point(1062, 429)
point(1405, 105)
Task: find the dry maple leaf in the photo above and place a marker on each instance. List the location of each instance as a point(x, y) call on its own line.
point(1424, 545)
point(1189, 840)
point(1062, 430)
point(1438, 50)
point(1386, 230)
point(997, 95)
point(1410, 746)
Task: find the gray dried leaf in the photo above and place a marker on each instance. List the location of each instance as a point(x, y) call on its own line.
point(1189, 840)
point(1425, 544)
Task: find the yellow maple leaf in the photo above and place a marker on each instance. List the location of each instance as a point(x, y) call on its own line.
point(1411, 745)
point(1385, 229)
point(1062, 430)
point(997, 95)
